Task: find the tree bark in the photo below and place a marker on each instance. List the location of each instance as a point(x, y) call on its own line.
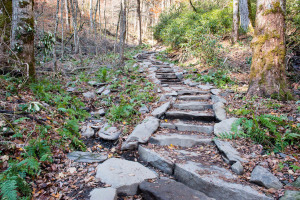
point(22, 34)
point(140, 21)
point(62, 28)
point(91, 15)
point(122, 31)
point(244, 14)
point(5, 27)
point(235, 28)
point(267, 77)
point(54, 35)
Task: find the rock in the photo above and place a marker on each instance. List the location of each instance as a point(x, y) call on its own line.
point(179, 75)
point(230, 154)
point(291, 195)
point(87, 130)
point(162, 98)
point(180, 126)
point(123, 175)
point(224, 127)
point(261, 176)
point(199, 106)
point(205, 87)
point(100, 90)
point(216, 99)
point(192, 97)
point(89, 95)
point(219, 110)
point(154, 159)
point(141, 133)
point(179, 140)
point(144, 109)
point(187, 81)
point(106, 92)
point(88, 157)
point(98, 113)
point(215, 91)
point(191, 92)
point(92, 83)
point(160, 111)
point(71, 89)
point(168, 189)
point(171, 94)
point(296, 183)
point(103, 194)
point(193, 84)
point(109, 133)
point(211, 181)
point(190, 115)
point(237, 168)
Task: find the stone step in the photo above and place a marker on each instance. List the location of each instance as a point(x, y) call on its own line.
point(166, 75)
point(190, 115)
point(165, 70)
point(193, 106)
point(179, 140)
point(169, 80)
point(192, 92)
point(192, 97)
point(188, 127)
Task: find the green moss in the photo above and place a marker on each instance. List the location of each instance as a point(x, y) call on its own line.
point(276, 8)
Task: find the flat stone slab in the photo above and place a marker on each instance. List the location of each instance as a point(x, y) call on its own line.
point(190, 115)
point(219, 110)
point(103, 194)
point(197, 106)
point(89, 95)
point(188, 127)
point(263, 177)
point(291, 195)
point(123, 175)
point(193, 97)
point(168, 189)
point(141, 133)
point(160, 111)
point(205, 87)
point(87, 157)
point(211, 181)
point(108, 132)
point(166, 75)
point(156, 160)
point(224, 127)
point(230, 154)
point(179, 140)
point(191, 92)
point(215, 91)
point(216, 99)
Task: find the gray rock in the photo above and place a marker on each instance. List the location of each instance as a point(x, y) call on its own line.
point(230, 154)
point(216, 99)
point(92, 83)
point(71, 89)
point(191, 92)
point(237, 168)
point(180, 126)
point(144, 109)
point(224, 127)
point(123, 175)
point(168, 189)
point(106, 92)
point(291, 195)
point(160, 111)
point(199, 106)
point(89, 95)
point(205, 87)
point(190, 115)
point(296, 183)
point(193, 84)
point(219, 110)
point(179, 140)
point(162, 98)
point(210, 181)
point(98, 113)
point(109, 133)
point(215, 91)
point(179, 75)
point(87, 130)
point(141, 133)
point(156, 160)
point(103, 194)
point(100, 90)
point(171, 94)
point(87, 157)
point(187, 81)
point(261, 176)
point(192, 97)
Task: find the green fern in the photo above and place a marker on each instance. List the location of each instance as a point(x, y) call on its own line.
point(9, 190)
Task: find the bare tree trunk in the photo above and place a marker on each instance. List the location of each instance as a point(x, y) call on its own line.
point(140, 20)
point(117, 31)
point(235, 28)
point(54, 35)
point(267, 77)
point(91, 15)
point(5, 27)
point(62, 28)
point(74, 8)
point(100, 26)
point(22, 34)
point(123, 31)
point(244, 14)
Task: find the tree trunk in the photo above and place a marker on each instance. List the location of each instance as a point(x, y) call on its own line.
point(140, 21)
point(244, 14)
point(267, 77)
point(235, 28)
point(91, 15)
point(122, 31)
point(22, 34)
point(62, 28)
point(5, 27)
point(54, 35)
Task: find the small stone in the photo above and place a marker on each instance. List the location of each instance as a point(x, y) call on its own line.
point(109, 133)
point(87, 130)
point(89, 95)
point(98, 113)
point(205, 87)
point(237, 168)
point(261, 176)
point(100, 90)
point(123, 175)
point(219, 110)
point(71, 89)
point(216, 99)
point(215, 91)
point(162, 98)
point(158, 112)
point(230, 154)
point(92, 83)
point(179, 75)
point(103, 194)
point(144, 109)
point(291, 195)
point(296, 183)
point(106, 92)
point(88, 157)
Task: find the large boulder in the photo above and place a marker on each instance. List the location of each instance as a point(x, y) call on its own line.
point(158, 112)
point(263, 177)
